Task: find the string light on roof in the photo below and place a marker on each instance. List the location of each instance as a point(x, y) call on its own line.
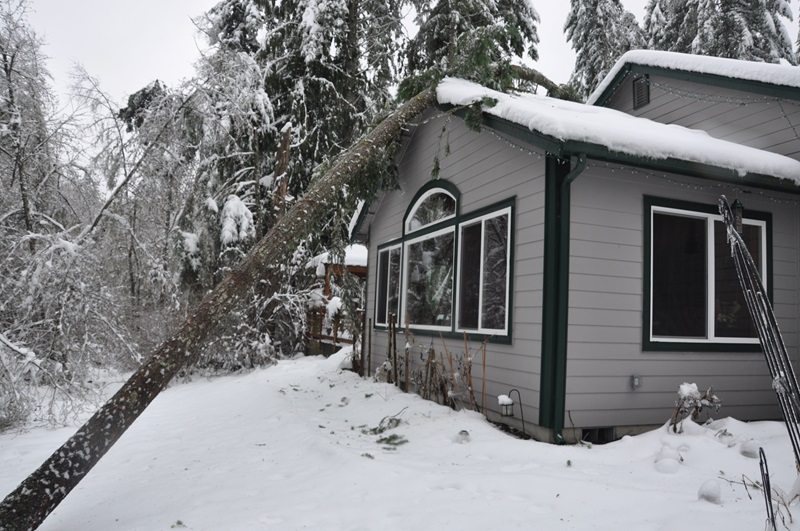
point(698, 95)
point(696, 186)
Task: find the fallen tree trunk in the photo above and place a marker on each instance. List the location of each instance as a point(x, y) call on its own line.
point(38, 495)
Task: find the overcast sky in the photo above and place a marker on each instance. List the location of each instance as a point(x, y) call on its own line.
point(128, 45)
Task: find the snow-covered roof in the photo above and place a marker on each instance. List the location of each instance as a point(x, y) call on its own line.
point(774, 74)
point(354, 255)
point(619, 132)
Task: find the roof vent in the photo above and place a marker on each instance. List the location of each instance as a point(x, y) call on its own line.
point(641, 91)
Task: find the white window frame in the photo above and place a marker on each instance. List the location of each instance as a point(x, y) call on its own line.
point(482, 219)
point(388, 249)
point(422, 198)
point(710, 275)
point(405, 271)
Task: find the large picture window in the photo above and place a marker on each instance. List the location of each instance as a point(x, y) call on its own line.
point(429, 280)
point(449, 272)
point(483, 273)
point(694, 294)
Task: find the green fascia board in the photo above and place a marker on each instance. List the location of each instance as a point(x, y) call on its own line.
point(356, 236)
point(568, 148)
point(761, 88)
point(681, 167)
point(512, 129)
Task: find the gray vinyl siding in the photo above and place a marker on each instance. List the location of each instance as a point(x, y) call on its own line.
point(752, 120)
point(487, 170)
point(606, 299)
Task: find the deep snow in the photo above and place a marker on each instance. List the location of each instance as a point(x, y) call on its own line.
point(291, 447)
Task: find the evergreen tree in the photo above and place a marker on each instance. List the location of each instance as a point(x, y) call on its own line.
point(327, 67)
point(471, 39)
point(600, 32)
point(655, 24)
point(289, 85)
point(776, 38)
point(753, 30)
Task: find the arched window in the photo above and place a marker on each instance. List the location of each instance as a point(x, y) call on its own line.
point(449, 272)
point(433, 206)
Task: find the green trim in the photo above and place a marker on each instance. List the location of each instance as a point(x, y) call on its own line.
point(555, 306)
point(568, 148)
point(661, 346)
point(682, 167)
point(555, 170)
point(546, 142)
point(761, 88)
point(535, 138)
point(362, 217)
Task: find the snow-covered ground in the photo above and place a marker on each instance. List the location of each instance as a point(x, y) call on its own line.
point(295, 446)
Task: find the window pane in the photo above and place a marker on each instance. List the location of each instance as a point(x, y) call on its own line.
point(394, 282)
point(495, 263)
point(731, 317)
point(679, 276)
point(380, 289)
point(430, 281)
point(435, 207)
point(470, 275)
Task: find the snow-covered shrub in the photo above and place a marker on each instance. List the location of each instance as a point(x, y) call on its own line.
point(58, 322)
point(691, 403)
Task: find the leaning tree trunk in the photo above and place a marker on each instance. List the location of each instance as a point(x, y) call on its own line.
point(38, 495)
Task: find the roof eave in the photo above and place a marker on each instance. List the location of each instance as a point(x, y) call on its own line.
point(682, 167)
point(567, 148)
point(753, 87)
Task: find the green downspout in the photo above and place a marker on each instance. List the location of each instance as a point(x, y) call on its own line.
point(556, 292)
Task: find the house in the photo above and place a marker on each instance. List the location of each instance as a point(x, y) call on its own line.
point(578, 247)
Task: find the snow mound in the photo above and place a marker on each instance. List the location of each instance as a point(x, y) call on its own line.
point(306, 444)
point(710, 491)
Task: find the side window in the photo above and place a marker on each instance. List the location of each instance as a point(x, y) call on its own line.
point(694, 294)
point(387, 291)
point(483, 273)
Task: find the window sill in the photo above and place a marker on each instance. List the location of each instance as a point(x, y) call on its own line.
point(699, 346)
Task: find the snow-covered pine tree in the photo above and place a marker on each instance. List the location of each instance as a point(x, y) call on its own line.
point(775, 40)
point(327, 67)
point(753, 30)
point(288, 86)
point(471, 39)
point(681, 25)
point(655, 24)
point(600, 32)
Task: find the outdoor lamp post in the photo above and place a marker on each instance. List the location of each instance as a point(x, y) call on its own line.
point(506, 406)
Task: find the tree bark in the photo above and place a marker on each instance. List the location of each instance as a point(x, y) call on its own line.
point(39, 494)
